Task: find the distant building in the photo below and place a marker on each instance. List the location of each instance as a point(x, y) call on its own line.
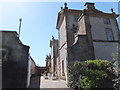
point(48, 63)
point(41, 70)
point(54, 54)
point(17, 64)
point(84, 35)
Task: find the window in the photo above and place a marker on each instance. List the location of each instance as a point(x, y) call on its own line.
point(109, 34)
point(106, 21)
point(63, 66)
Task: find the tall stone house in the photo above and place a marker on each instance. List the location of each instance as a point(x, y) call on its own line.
point(54, 55)
point(52, 59)
point(85, 35)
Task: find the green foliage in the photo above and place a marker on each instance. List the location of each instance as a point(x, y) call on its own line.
point(92, 79)
point(117, 73)
point(90, 74)
point(116, 63)
point(74, 70)
point(85, 82)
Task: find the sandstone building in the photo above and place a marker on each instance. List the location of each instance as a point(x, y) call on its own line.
point(85, 35)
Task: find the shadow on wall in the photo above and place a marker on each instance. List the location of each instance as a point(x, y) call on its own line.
point(14, 61)
point(35, 82)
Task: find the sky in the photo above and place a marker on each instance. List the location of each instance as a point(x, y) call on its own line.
point(39, 22)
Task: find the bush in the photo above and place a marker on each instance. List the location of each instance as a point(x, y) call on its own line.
point(93, 79)
point(91, 74)
point(117, 73)
point(74, 71)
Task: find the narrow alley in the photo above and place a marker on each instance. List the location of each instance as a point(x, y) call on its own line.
point(48, 84)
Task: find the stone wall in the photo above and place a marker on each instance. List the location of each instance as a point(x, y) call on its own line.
point(109, 49)
point(62, 44)
point(54, 54)
point(14, 61)
point(100, 42)
point(81, 50)
point(98, 28)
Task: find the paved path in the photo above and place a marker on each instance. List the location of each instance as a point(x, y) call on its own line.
point(52, 84)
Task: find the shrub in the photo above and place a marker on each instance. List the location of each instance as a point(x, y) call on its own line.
point(74, 71)
point(91, 74)
point(117, 73)
point(92, 79)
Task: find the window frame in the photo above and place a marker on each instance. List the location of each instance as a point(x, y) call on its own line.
point(108, 36)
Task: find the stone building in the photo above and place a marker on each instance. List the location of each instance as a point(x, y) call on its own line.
point(32, 70)
point(48, 63)
point(17, 64)
point(85, 35)
point(54, 54)
point(41, 69)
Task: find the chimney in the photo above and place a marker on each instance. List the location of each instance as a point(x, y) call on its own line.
point(89, 5)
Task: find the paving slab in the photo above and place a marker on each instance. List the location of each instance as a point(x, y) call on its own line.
point(49, 84)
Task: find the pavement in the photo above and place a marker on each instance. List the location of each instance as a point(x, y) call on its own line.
point(40, 83)
point(49, 84)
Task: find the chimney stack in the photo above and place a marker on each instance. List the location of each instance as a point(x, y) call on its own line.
point(89, 5)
